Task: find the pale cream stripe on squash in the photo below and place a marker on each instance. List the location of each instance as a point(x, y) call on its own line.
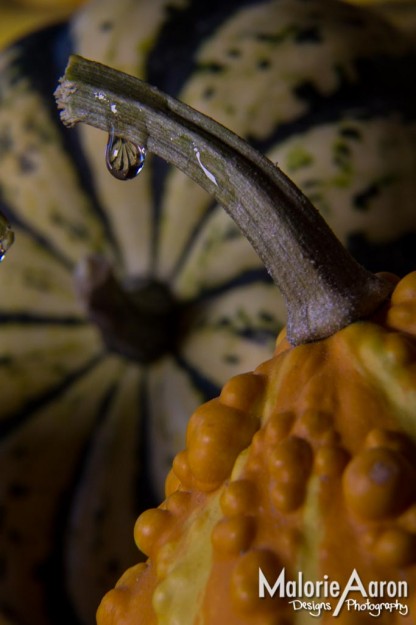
point(217, 254)
point(48, 197)
point(34, 282)
point(125, 45)
point(35, 359)
point(221, 343)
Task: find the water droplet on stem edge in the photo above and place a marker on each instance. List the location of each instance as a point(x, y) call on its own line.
point(124, 159)
point(6, 236)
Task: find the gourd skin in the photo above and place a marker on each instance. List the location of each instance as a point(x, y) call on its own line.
point(73, 446)
point(331, 465)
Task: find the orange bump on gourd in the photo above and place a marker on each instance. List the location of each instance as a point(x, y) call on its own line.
point(401, 315)
point(378, 483)
point(216, 434)
point(291, 460)
point(408, 519)
point(178, 502)
point(290, 464)
point(331, 460)
point(316, 423)
point(238, 497)
point(149, 528)
point(243, 391)
point(244, 579)
point(233, 534)
point(278, 426)
point(390, 439)
point(395, 547)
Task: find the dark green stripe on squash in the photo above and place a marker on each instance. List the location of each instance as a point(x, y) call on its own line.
point(171, 60)
point(23, 318)
point(12, 422)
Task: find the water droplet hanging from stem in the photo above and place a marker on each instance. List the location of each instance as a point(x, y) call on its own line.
point(6, 236)
point(124, 159)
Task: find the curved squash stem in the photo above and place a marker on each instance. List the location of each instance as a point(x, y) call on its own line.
point(324, 288)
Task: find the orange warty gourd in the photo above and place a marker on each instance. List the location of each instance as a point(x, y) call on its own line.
point(305, 465)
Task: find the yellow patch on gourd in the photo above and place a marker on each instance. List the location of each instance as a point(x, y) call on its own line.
point(308, 560)
point(177, 598)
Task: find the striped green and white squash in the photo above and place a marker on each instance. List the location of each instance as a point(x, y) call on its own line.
point(87, 433)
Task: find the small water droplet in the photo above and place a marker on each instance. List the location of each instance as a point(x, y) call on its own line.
point(6, 237)
point(123, 158)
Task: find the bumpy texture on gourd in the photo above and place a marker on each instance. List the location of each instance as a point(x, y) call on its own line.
point(316, 85)
point(308, 462)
